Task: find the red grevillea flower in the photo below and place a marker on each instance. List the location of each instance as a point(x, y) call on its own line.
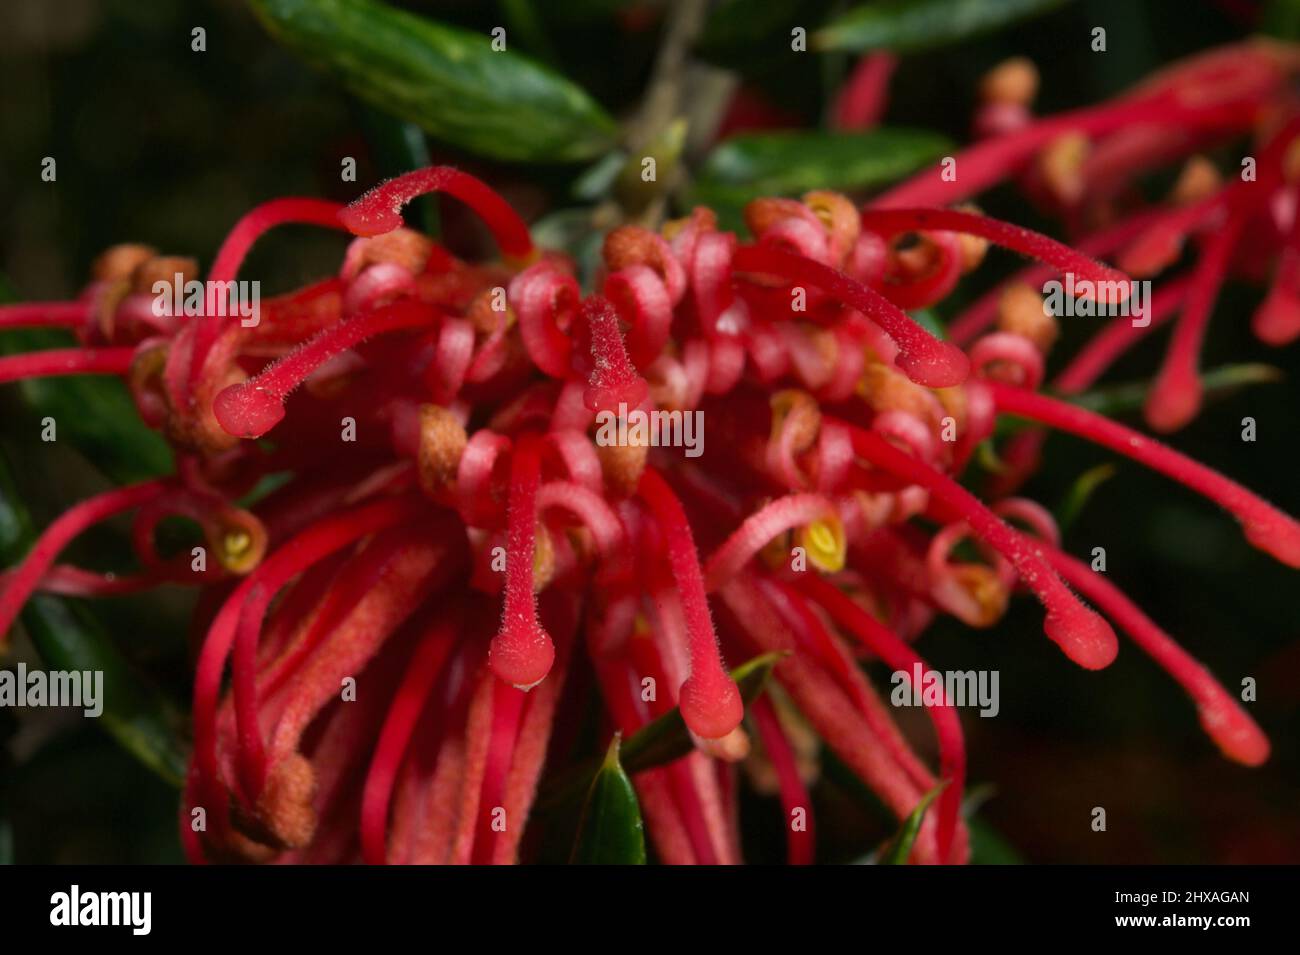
point(389, 633)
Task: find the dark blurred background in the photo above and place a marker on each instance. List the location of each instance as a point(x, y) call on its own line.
point(161, 144)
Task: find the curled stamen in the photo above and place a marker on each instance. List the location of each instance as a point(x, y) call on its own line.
point(926, 360)
point(254, 407)
point(709, 700)
point(230, 256)
point(26, 577)
point(1267, 528)
point(522, 651)
point(1084, 636)
point(769, 522)
point(380, 209)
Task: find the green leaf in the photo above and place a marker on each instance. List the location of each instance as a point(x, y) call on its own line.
point(68, 637)
point(989, 847)
point(901, 847)
point(661, 741)
point(611, 831)
point(1076, 498)
point(791, 163)
point(448, 81)
point(907, 26)
point(1217, 383)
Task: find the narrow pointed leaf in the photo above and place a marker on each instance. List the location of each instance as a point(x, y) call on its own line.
point(611, 831)
point(907, 26)
point(449, 81)
point(1076, 498)
point(901, 847)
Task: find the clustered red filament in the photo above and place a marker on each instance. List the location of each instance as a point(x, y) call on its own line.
point(389, 632)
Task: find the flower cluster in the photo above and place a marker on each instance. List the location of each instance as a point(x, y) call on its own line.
point(390, 630)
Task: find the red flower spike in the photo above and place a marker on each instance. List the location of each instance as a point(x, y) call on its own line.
point(252, 408)
point(522, 651)
point(1084, 636)
point(922, 357)
point(1235, 733)
point(380, 209)
point(66, 361)
point(709, 700)
point(1267, 528)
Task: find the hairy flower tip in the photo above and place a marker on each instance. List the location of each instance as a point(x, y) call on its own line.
point(712, 709)
point(1235, 733)
point(523, 653)
point(1084, 636)
point(380, 209)
point(248, 411)
point(1277, 320)
point(1274, 533)
point(1174, 399)
point(613, 380)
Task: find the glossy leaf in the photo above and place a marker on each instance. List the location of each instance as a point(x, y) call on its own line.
point(611, 831)
point(68, 637)
point(906, 26)
point(448, 81)
point(791, 163)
